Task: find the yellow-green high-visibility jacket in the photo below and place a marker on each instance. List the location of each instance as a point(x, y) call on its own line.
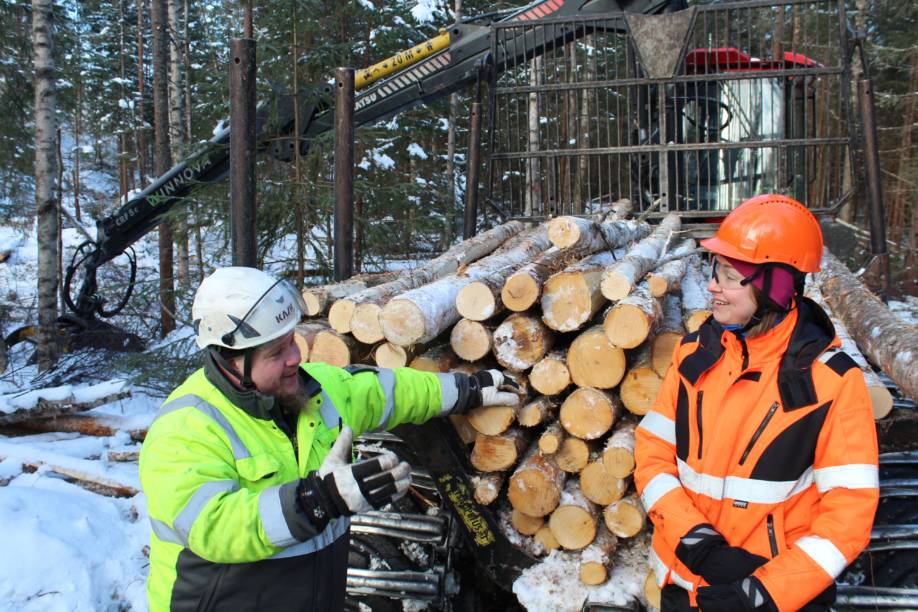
point(220, 476)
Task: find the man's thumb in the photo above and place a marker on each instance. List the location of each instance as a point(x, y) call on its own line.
point(341, 450)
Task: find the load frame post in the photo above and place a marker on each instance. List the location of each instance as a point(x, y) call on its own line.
point(344, 173)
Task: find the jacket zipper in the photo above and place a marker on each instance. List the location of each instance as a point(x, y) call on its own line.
point(698, 420)
point(772, 540)
point(745, 353)
point(758, 432)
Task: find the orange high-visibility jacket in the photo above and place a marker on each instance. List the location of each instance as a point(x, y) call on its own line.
point(770, 439)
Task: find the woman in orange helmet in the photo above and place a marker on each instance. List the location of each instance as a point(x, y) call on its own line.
point(758, 461)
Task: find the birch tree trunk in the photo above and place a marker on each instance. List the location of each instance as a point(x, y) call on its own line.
point(45, 174)
point(454, 202)
point(162, 158)
point(177, 136)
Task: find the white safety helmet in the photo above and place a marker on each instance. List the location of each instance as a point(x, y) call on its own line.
point(241, 308)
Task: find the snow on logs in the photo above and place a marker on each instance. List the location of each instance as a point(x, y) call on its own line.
point(621, 277)
point(343, 311)
point(885, 338)
point(420, 315)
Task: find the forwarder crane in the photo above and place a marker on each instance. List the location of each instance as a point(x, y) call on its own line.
point(425, 72)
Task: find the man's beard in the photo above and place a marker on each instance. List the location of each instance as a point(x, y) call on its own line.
point(292, 403)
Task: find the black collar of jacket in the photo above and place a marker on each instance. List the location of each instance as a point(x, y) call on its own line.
point(812, 334)
point(253, 403)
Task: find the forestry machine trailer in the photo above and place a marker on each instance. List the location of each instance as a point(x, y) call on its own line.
point(588, 101)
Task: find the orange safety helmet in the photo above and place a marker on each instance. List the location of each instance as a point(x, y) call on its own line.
point(770, 228)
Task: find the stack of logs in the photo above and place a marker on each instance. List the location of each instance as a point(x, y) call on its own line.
point(585, 314)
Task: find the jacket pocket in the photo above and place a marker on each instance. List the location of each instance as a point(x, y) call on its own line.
point(774, 528)
point(259, 469)
point(758, 432)
point(698, 421)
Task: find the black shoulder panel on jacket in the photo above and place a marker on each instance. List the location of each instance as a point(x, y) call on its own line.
point(794, 450)
point(751, 375)
point(841, 362)
point(706, 354)
point(689, 337)
point(682, 423)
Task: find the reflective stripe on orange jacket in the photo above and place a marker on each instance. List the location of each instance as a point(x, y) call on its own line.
point(770, 439)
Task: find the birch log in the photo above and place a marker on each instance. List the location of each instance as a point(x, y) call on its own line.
point(628, 323)
point(570, 298)
point(668, 277)
point(550, 376)
point(537, 411)
point(625, 517)
point(599, 486)
point(488, 486)
point(551, 439)
point(641, 384)
point(521, 341)
point(333, 348)
point(667, 336)
point(884, 337)
point(535, 487)
point(472, 340)
point(589, 413)
point(448, 263)
point(525, 524)
point(696, 300)
point(595, 558)
point(318, 299)
point(574, 522)
point(618, 455)
point(621, 277)
point(594, 361)
point(438, 358)
point(501, 452)
point(422, 314)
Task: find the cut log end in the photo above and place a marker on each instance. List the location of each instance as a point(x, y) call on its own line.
point(476, 301)
point(491, 420)
point(520, 292)
point(616, 287)
point(589, 413)
point(388, 355)
point(625, 518)
point(403, 322)
point(639, 389)
point(550, 376)
point(470, 340)
point(694, 320)
point(593, 573)
point(652, 592)
point(313, 303)
point(573, 526)
point(328, 347)
point(599, 486)
point(626, 326)
point(365, 324)
point(661, 352)
point(563, 232)
point(340, 314)
point(525, 524)
point(594, 361)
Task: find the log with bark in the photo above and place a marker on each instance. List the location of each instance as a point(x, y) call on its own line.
point(573, 454)
point(101, 425)
point(472, 340)
point(31, 406)
point(422, 314)
point(551, 439)
point(547, 539)
point(318, 299)
point(599, 486)
point(652, 592)
point(589, 413)
point(521, 341)
point(594, 361)
point(880, 398)
point(525, 524)
point(550, 376)
point(492, 420)
point(304, 334)
point(439, 358)
point(621, 277)
point(696, 299)
point(618, 455)
point(538, 411)
point(336, 349)
point(500, 452)
point(448, 263)
point(641, 384)
point(536, 484)
point(596, 558)
point(629, 322)
point(571, 297)
point(625, 517)
point(885, 338)
point(667, 336)
point(524, 287)
point(574, 522)
point(668, 277)
point(487, 486)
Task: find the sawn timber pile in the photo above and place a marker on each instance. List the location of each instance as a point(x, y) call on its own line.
point(585, 314)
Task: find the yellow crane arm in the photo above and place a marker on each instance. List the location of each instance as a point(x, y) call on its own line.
point(367, 76)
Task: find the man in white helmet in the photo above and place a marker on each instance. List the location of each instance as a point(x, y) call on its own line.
point(247, 467)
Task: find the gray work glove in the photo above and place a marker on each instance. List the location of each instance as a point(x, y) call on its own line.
point(496, 389)
point(342, 488)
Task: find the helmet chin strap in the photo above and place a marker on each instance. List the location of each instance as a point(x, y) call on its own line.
point(245, 378)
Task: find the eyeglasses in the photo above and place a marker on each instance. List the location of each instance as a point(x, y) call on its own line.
point(726, 279)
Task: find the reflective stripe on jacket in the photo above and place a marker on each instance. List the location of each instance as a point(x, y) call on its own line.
point(770, 439)
point(221, 481)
